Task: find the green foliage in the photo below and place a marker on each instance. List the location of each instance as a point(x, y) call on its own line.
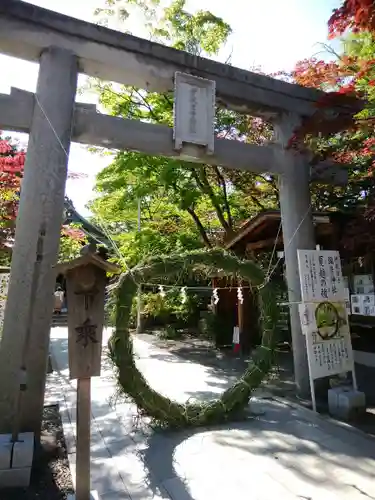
point(170, 332)
point(5, 258)
point(361, 48)
point(71, 244)
point(209, 324)
point(132, 383)
point(207, 203)
point(69, 248)
point(156, 239)
point(201, 33)
point(203, 204)
point(170, 309)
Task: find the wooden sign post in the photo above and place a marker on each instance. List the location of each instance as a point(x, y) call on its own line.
point(86, 282)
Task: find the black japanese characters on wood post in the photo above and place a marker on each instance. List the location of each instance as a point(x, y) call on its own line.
point(85, 296)
point(86, 282)
point(86, 279)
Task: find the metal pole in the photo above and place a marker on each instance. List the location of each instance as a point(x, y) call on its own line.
point(139, 293)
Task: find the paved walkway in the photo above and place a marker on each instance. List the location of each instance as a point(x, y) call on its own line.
point(285, 453)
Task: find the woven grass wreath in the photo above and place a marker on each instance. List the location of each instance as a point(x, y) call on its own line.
point(163, 411)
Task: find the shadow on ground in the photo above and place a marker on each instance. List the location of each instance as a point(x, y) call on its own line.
point(280, 382)
point(299, 456)
point(283, 450)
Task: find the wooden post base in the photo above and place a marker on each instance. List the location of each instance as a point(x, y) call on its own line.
point(83, 439)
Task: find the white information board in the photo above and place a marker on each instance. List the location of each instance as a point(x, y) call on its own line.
point(328, 342)
point(4, 281)
point(324, 315)
point(194, 111)
point(321, 276)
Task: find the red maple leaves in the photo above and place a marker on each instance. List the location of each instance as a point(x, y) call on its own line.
point(11, 169)
point(357, 15)
point(72, 232)
point(12, 162)
point(321, 74)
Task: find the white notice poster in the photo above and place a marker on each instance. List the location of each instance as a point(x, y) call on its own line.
point(321, 276)
point(328, 342)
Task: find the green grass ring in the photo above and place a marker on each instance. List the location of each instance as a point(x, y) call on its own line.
point(162, 410)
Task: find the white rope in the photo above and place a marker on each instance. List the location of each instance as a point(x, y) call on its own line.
point(50, 124)
point(113, 243)
point(290, 241)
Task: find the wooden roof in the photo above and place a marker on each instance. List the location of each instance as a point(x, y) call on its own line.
point(260, 232)
point(92, 232)
point(85, 260)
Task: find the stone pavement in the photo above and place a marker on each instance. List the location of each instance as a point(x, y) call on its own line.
point(285, 452)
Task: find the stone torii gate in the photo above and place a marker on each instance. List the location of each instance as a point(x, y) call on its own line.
point(64, 46)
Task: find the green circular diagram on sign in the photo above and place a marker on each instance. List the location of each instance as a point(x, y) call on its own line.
point(327, 320)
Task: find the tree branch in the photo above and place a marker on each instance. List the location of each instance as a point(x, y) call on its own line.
point(203, 183)
point(223, 186)
point(256, 201)
point(146, 104)
point(129, 97)
point(166, 98)
point(200, 227)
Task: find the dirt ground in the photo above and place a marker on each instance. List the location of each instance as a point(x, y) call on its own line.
point(50, 476)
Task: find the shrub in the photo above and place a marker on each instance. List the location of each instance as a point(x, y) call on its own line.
point(167, 310)
point(169, 333)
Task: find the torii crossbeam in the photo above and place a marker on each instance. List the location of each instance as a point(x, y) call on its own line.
point(96, 129)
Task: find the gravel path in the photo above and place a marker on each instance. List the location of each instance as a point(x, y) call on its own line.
point(50, 478)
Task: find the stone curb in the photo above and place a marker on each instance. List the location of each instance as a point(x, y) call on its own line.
point(65, 420)
point(311, 415)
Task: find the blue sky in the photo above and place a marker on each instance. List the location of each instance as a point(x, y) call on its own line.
point(272, 34)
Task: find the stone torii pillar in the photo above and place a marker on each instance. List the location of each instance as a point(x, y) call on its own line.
point(298, 233)
point(37, 242)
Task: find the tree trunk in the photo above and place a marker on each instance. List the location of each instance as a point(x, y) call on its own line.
point(200, 227)
point(206, 188)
